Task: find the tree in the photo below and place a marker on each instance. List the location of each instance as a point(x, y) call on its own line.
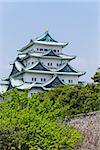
point(28, 123)
point(96, 77)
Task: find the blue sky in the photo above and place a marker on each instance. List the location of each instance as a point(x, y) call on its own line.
point(68, 21)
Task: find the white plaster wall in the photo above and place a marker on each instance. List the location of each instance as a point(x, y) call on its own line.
point(49, 47)
point(53, 61)
point(28, 77)
point(45, 61)
point(69, 77)
point(28, 62)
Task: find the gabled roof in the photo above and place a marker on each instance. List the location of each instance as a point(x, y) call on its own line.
point(46, 37)
point(67, 68)
point(53, 82)
point(17, 67)
point(14, 70)
point(27, 46)
point(37, 66)
point(50, 53)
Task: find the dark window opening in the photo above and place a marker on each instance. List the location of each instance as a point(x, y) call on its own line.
point(45, 50)
point(71, 81)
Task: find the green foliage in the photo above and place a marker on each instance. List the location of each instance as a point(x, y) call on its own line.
point(29, 123)
point(37, 122)
point(96, 77)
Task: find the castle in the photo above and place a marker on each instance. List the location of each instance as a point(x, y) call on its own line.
point(41, 65)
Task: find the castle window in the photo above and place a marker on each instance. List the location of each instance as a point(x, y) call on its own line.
point(48, 64)
point(41, 79)
point(68, 81)
point(57, 64)
point(44, 79)
point(32, 62)
point(58, 51)
point(45, 50)
point(71, 81)
point(54, 50)
point(41, 49)
point(33, 79)
point(63, 80)
point(37, 49)
point(51, 64)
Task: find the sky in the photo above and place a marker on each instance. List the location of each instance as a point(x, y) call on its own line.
point(74, 21)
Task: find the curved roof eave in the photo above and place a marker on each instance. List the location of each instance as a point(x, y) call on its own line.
point(50, 43)
point(81, 74)
point(60, 56)
point(27, 46)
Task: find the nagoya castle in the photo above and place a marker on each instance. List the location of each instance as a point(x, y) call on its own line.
point(41, 65)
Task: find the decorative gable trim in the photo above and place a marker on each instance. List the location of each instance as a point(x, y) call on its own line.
point(50, 53)
point(54, 82)
point(46, 37)
point(39, 66)
point(67, 68)
point(14, 70)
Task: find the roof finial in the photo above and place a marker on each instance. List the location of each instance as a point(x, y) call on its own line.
point(46, 29)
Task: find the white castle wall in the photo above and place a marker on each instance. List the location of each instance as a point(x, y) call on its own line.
point(28, 77)
point(67, 79)
point(37, 47)
point(73, 79)
point(56, 63)
point(28, 62)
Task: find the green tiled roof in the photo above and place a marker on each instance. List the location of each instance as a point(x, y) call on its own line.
point(46, 37)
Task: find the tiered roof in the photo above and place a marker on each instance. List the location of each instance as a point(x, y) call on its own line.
point(38, 67)
point(44, 39)
point(48, 54)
